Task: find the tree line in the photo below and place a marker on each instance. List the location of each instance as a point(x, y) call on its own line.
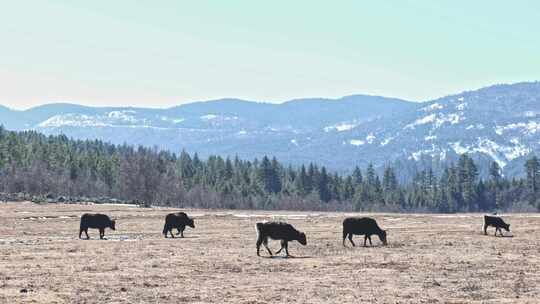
point(36, 164)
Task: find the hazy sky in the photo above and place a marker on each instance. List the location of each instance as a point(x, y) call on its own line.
point(164, 53)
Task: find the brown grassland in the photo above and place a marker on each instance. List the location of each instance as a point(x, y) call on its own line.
point(429, 259)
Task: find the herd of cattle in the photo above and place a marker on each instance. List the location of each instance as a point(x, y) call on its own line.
point(272, 230)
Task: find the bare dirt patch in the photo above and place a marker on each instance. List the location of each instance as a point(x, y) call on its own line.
point(429, 259)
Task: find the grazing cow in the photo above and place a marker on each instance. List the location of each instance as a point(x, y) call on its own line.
point(362, 226)
point(97, 221)
point(278, 231)
point(179, 221)
point(497, 222)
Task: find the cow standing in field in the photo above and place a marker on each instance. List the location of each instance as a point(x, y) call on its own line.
point(278, 231)
point(497, 222)
point(179, 221)
point(362, 226)
point(96, 221)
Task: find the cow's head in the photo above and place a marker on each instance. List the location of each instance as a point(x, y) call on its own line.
point(113, 225)
point(507, 227)
point(302, 238)
point(382, 237)
point(191, 223)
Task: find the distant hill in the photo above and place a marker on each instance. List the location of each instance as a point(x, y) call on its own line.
point(500, 123)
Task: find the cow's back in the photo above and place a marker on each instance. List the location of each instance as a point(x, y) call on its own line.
point(95, 220)
point(493, 221)
point(363, 225)
point(278, 230)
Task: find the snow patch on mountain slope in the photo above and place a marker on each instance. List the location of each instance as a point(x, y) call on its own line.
point(421, 121)
point(208, 117)
point(72, 120)
point(437, 120)
point(357, 142)
point(123, 116)
point(461, 106)
point(386, 141)
point(173, 120)
point(434, 152)
point(340, 127)
point(529, 128)
point(433, 107)
point(499, 153)
point(370, 138)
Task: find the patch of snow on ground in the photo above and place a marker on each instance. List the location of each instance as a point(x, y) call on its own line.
point(294, 142)
point(241, 132)
point(430, 137)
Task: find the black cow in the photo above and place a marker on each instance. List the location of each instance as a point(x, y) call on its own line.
point(362, 226)
point(97, 221)
point(179, 221)
point(278, 231)
point(497, 222)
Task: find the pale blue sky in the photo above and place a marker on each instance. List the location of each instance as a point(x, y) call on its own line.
point(164, 53)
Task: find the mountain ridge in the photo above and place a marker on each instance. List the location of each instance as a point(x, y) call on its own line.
point(497, 123)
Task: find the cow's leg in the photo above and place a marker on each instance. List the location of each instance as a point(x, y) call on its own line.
point(287, 248)
point(369, 238)
point(350, 240)
point(80, 232)
point(365, 240)
point(485, 229)
point(344, 237)
point(282, 246)
point(101, 233)
point(86, 232)
point(265, 243)
point(182, 232)
point(172, 234)
point(496, 229)
point(259, 242)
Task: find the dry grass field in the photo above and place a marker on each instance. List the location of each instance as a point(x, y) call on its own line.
point(429, 259)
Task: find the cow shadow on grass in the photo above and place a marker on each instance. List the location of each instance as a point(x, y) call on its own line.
point(281, 257)
point(181, 238)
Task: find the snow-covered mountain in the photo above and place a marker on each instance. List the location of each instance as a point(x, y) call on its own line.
point(500, 123)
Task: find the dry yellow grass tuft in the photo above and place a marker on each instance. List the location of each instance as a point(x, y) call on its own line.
point(430, 259)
